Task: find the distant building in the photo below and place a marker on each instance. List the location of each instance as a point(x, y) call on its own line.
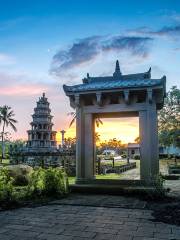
point(171, 150)
point(41, 137)
point(133, 149)
point(41, 147)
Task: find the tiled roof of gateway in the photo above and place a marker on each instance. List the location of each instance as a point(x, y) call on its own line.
point(117, 81)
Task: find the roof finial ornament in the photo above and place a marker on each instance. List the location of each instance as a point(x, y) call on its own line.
point(117, 70)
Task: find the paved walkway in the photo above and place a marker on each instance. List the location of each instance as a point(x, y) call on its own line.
point(108, 217)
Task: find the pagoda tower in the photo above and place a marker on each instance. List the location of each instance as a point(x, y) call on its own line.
point(41, 137)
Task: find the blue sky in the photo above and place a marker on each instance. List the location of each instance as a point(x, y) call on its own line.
point(44, 44)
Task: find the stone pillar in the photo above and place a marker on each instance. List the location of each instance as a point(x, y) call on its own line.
point(149, 163)
point(80, 131)
point(62, 139)
point(49, 136)
point(89, 146)
point(154, 143)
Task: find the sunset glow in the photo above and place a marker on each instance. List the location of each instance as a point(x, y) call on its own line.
point(124, 129)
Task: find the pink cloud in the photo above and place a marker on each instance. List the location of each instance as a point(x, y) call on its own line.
point(22, 90)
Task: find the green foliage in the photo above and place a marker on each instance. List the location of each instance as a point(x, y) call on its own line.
point(6, 185)
point(52, 182)
point(36, 182)
point(169, 119)
point(159, 185)
point(48, 182)
point(7, 120)
point(159, 191)
point(55, 182)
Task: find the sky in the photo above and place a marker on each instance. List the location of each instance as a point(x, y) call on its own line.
point(45, 44)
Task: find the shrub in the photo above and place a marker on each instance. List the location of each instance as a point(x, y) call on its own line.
point(6, 186)
point(137, 157)
point(48, 182)
point(36, 182)
point(21, 180)
point(55, 182)
point(159, 191)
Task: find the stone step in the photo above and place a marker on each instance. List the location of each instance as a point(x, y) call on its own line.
point(109, 189)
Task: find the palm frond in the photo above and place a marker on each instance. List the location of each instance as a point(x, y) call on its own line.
point(13, 127)
point(100, 121)
point(97, 123)
point(6, 117)
point(13, 120)
point(71, 114)
point(72, 121)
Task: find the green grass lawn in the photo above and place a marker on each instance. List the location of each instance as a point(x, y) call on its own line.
point(71, 180)
point(108, 176)
point(101, 176)
point(5, 162)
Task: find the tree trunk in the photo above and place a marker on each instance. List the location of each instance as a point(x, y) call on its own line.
point(3, 147)
point(113, 162)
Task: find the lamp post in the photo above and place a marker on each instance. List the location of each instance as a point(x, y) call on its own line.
point(62, 139)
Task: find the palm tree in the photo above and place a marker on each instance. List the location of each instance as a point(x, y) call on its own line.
point(98, 121)
point(6, 119)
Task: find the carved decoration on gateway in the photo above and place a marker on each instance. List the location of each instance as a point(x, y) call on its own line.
point(118, 88)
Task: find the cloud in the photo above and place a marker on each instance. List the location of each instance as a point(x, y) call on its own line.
point(172, 31)
point(136, 45)
point(22, 90)
point(167, 31)
point(81, 51)
point(87, 49)
point(19, 85)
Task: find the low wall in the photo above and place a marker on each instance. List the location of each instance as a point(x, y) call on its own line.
point(119, 169)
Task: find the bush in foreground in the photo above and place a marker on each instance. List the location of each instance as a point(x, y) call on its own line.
point(6, 185)
point(48, 182)
point(52, 182)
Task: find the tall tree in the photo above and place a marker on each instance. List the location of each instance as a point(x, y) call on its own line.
point(112, 143)
point(169, 119)
point(7, 120)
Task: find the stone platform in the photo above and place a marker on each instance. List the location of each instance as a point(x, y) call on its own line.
point(108, 189)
